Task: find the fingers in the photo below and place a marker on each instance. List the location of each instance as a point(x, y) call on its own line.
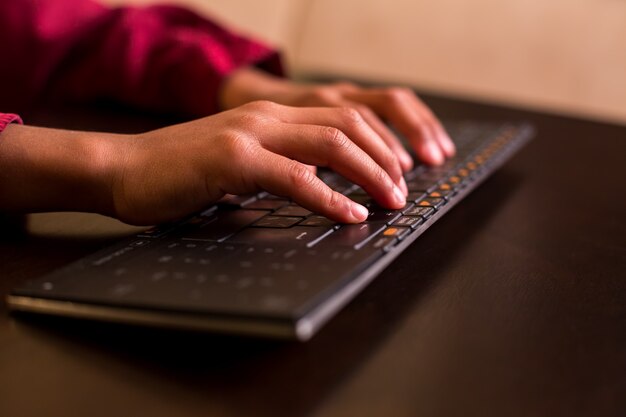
point(412, 118)
point(333, 95)
point(352, 124)
point(406, 161)
point(330, 147)
point(283, 176)
point(445, 141)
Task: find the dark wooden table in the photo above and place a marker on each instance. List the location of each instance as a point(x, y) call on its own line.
point(513, 304)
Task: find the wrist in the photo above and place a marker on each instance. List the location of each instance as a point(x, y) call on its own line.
point(102, 168)
point(56, 170)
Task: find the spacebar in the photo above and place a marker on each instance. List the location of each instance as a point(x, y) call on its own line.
point(298, 235)
point(354, 235)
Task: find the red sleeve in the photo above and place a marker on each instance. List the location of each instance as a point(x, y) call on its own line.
point(160, 58)
point(6, 118)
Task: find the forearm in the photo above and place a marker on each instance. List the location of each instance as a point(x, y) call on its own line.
point(55, 170)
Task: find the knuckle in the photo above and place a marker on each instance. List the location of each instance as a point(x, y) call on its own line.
point(323, 95)
point(351, 115)
point(398, 94)
point(238, 148)
point(382, 178)
point(251, 119)
point(334, 200)
point(300, 177)
point(393, 164)
point(334, 138)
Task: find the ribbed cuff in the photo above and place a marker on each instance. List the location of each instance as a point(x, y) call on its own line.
point(7, 118)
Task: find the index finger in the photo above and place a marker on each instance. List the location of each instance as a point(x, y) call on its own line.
point(286, 177)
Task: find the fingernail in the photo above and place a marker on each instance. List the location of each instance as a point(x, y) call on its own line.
point(399, 195)
point(403, 186)
point(359, 212)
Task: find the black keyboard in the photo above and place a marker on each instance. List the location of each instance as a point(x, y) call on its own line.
point(260, 264)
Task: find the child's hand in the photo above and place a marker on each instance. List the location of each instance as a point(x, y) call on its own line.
point(168, 173)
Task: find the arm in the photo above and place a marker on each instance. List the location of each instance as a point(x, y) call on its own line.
point(161, 58)
point(54, 170)
point(168, 173)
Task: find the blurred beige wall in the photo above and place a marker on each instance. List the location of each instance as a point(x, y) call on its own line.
point(561, 55)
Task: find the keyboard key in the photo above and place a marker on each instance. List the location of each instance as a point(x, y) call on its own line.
point(336, 182)
point(432, 176)
point(224, 223)
point(277, 221)
point(384, 242)
point(397, 232)
point(357, 190)
point(355, 235)
point(156, 231)
point(411, 175)
point(379, 214)
point(409, 221)
point(362, 199)
point(441, 194)
point(424, 212)
point(421, 185)
point(471, 166)
point(195, 223)
point(454, 179)
point(296, 235)
point(316, 220)
point(292, 210)
point(236, 201)
point(268, 204)
point(415, 196)
point(268, 196)
point(432, 202)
